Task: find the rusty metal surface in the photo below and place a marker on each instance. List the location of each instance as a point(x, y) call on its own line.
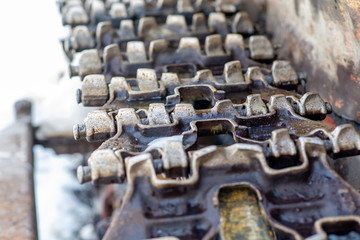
point(17, 202)
point(189, 50)
point(122, 92)
point(191, 206)
point(241, 216)
point(168, 27)
point(76, 12)
point(322, 38)
point(263, 125)
point(182, 116)
point(195, 100)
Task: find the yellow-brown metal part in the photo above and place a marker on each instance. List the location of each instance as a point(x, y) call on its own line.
point(241, 216)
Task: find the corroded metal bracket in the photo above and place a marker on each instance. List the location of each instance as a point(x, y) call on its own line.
point(17, 202)
point(291, 206)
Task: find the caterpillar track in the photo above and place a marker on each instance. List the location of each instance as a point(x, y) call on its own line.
point(206, 134)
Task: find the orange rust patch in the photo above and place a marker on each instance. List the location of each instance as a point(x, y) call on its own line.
point(358, 114)
point(339, 103)
point(354, 78)
point(330, 121)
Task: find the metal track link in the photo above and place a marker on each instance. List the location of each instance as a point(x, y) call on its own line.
point(211, 54)
point(193, 106)
point(78, 12)
point(175, 81)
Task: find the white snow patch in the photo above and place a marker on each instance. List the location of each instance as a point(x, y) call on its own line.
point(60, 214)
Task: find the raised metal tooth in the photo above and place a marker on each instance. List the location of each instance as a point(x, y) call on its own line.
point(135, 51)
point(118, 88)
point(94, 90)
point(98, 125)
point(183, 110)
point(279, 101)
point(156, 47)
point(184, 6)
point(255, 105)
point(225, 107)
point(200, 5)
point(174, 159)
point(163, 4)
point(311, 104)
point(254, 73)
point(104, 34)
point(281, 143)
point(145, 25)
point(81, 38)
point(283, 73)
point(86, 62)
point(118, 10)
point(233, 72)
point(227, 6)
point(189, 44)
point(147, 79)
point(137, 7)
point(126, 116)
point(87, 4)
point(97, 8)
point(234, 41)
point(112, 60)
point(242, 24)
point(109, 3)
point(104, 167)
point(199, 23)
point(127, 29)
point(260, 48)
point(76, 15)
point(157, 114)
point(213, 45)
point(217, 21)
point(204, 76)
point(170, 80)
point(176, 23)
point(345, 138)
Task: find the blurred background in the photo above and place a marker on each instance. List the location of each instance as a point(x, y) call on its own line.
point(34, 67)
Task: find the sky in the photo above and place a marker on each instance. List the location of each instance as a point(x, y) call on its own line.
point(31, 55)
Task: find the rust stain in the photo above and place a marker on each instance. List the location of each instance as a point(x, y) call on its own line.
point(339, 103)
point(241, 216)
point(354, 78)
point(358, 114)
point(330, 121)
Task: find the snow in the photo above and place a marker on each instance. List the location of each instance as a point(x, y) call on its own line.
point(61, 215)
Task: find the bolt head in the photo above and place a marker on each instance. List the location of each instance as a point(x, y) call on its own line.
point(328, 107)
point(78, 96)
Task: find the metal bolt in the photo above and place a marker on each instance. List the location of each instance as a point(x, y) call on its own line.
point(78, 96)
point(73, 71)
point(328, 107)
point(302, 76)
point(79, 131)
point(158, 165)
point(83, 174)
point(269, 79)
